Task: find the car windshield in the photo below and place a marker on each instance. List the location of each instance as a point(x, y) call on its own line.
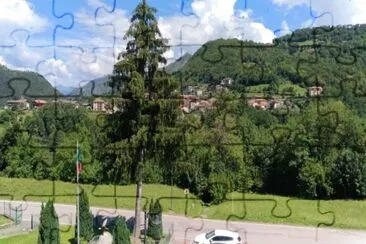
point(210, 234)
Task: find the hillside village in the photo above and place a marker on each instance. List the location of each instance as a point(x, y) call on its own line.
point(194, 98)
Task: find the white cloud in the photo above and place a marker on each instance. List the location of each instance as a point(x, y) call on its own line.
point(291, 3)
point(3, 61)
point(336, 12)
point(214, 19)
point(285, 29)
point(19, 14)
point(207, 10)
point(18, 21)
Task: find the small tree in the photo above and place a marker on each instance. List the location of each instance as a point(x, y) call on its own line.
point(86, 218)
point(121, 234)
point(155, 227)
point(48, 232)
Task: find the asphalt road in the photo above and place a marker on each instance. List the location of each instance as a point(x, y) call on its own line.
point(185, 229)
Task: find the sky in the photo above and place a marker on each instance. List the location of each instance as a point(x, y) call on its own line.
point(71, 42)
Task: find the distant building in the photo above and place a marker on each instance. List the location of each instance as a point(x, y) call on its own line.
point(199, 92)
point(226, 82)
point(276, 104)
point(190, 89)
point(192, 103)
point(39, 103)
point(315, 91)
point(99, 105)
point(20, 104)
point(221, 88)
point(259, 103)
point(86, 105)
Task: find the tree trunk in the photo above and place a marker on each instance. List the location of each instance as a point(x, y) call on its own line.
point(136, 229)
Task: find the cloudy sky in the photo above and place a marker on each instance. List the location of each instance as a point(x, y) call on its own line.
point(73, 41)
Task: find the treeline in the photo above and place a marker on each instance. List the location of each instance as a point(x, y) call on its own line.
point(316, 153)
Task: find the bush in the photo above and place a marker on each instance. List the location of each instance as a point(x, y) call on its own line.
point(314, 182)
point(219, 185)
point(121, 234)
point(48, 231)
point(155, 227)
point(348, 175)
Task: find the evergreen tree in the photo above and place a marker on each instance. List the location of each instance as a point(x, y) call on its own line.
point(121, 234)
point(141, 86)
point(48, 232)
point(86, 217)
point(155, 225)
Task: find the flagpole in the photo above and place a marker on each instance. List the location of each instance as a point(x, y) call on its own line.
point(77, 190)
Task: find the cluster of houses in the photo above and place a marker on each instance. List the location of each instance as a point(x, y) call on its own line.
point(193, 103)
point(264, 104)
point(23, 104)
point(193, 100)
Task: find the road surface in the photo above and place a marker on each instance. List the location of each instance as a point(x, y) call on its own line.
point(184, 229)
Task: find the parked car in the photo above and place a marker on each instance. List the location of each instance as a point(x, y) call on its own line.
point(218, 237)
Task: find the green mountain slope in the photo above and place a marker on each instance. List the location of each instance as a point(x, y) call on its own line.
point(339, 55)
point(97, 87)
point(31, 85)
point(178, 64)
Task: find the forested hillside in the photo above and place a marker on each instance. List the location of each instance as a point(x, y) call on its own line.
point(333, 58)
point(14, 84)
point(178, 64)
point(94, 88)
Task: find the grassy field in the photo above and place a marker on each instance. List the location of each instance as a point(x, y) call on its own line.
point(257, 90)
point(248, 207)
point(66, 233)
point(4, 220)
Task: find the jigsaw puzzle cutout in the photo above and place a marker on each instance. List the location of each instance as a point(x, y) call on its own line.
point(305, 70)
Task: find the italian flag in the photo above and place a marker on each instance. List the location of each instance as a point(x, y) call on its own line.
point(79, 160)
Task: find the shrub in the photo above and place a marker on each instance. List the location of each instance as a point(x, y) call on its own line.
point(48, 231)
point(121, 234)
point(155, 227)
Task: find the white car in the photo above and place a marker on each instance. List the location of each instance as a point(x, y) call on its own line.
point(218, 237)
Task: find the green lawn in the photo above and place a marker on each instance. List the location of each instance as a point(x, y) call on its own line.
point(4, 220)
point(66, 233)
point(257, 90)
point(255, 207)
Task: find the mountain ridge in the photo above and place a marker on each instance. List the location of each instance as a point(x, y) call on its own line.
point(15, 84)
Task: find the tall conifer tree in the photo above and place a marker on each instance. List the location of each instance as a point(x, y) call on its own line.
point(48, 231)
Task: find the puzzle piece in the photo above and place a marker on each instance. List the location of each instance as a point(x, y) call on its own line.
point(194, 136)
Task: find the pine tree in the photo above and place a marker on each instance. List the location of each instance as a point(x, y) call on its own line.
point(86, 217)
point(140, 85)
point(121, 234)
point(155, 227)
point(48, 231)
